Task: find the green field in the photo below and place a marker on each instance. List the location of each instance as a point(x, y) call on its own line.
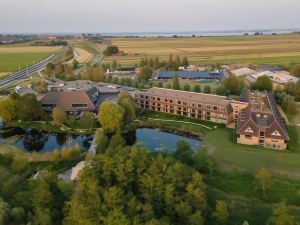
point(277, 49)
point(14, 57)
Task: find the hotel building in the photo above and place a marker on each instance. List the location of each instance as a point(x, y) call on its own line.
point(256, 116)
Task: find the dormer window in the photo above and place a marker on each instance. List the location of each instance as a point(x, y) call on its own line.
point(276, 133)
point(249, 130)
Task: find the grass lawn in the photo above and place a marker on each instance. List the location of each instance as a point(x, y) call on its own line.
point(276, 49)
point(220, 143)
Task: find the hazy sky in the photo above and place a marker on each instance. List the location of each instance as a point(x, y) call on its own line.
point(146, 15)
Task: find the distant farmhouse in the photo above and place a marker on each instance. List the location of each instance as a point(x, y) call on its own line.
point(269, 131)
point(190, 75)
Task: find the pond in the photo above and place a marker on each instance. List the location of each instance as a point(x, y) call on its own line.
point(35, 140)
point(160, 141)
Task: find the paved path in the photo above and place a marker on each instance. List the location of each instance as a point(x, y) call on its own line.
point(176, 121)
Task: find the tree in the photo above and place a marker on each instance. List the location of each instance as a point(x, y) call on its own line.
point(185, 62)
point(110, 117)
point(18, 215)
point(295, 70)
point(156, 64)
point(111, 50)
point(187, 87)
point(117, 141)
point(29, 108)
point(8, 109)
point(4, 212)
point(101, 141)
point(207, 89)
point(221, 213)
point(197, 88)
point(59, 68)
point(55, 155)
point(184, 152)
point(88, 120)
point(264, 180)
point(146, 73)
point(85, 204)
point(114, 65)
point(59, 116)
point(128, 105)
point(75, 64)
point(233, 84)
point(263, 83)
point(175, 82)
point(116, 217)
point(281, 216)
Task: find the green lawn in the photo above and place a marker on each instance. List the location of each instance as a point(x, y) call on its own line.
point(12, 61)
point(230, 156)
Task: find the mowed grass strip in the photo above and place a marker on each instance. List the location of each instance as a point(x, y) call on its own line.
point(262, 49)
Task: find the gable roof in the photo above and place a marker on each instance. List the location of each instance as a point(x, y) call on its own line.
point(262, 114)
point(65, 99)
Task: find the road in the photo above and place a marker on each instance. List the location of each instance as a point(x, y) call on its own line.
point(31, 69)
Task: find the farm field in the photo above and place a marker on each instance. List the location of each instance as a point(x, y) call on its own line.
point(14, 57)
point(83, 56)
point(277, 49)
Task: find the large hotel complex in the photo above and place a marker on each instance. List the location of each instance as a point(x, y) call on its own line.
point(255, 116)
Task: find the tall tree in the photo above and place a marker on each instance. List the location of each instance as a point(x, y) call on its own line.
point(59, 116)
point(263, 83)
point(175, 82)
point(110, 117)
point(264, 180)
point(221, 213)
point(281, 216)
point(128, 104)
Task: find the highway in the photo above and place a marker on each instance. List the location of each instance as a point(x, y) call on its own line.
point(12, 78)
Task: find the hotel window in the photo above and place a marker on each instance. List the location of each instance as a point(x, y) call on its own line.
point(153, 103)
point(153, 108)
point(179, 108)
point(184, 103)
point(199, 105)
point(184, 113)
point(158, 104)
point(215, 108)
point(171, 101)
point(147, 97)
point(179, 102)
point(208, 106)
point(171, 111)
point(147, 102)
point(166, 100)
point(158, 109)
point(258, 115)
point(79, 105)
point(248, 136)
point(142, 96)
point(152, 98)
point(158, 99)
point(184, 109)
point(193, 105)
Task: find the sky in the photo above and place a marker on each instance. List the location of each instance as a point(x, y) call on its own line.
point(45, 16)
